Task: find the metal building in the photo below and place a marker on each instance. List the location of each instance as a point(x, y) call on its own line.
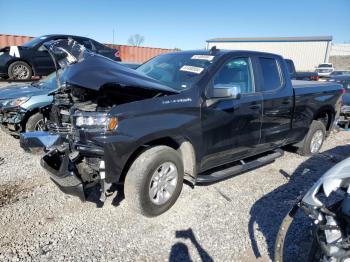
point(306, 52)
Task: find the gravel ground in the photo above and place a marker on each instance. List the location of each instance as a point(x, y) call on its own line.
point(233, 220)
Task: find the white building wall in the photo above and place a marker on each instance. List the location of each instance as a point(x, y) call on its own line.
point(306, 55)
point(340, 50)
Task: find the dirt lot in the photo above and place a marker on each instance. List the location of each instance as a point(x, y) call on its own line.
point(234, 220)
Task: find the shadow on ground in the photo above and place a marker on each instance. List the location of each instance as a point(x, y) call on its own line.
point(180, 252)
point(267, 217)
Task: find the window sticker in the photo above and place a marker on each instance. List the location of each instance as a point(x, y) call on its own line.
point(192, 69)
point(203, 57)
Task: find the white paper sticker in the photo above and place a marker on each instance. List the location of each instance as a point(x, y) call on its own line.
point(192, 69)
point(14, 51)
point(203, 57)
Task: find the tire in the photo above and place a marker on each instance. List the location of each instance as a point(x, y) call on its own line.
point(142, 174)
point(20, 70)
point(316, 129)
point(34, 123)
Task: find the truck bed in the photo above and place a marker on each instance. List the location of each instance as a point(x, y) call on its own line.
point(304, 87)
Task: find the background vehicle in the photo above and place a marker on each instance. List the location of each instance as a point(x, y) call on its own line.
point(344, 80)
point(330, 216)
point(32, 58)
point(20, 105)
point(180, 116)
point(324, 69)
point(300, 75)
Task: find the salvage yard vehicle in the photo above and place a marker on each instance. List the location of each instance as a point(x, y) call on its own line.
point(20, 105)
point(32, 58)
point(344, 80)
point(297, 75)
point(330, 216)
point(324, 69)
point(200, 116)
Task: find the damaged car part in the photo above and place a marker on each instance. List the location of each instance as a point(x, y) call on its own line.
point(331, 222)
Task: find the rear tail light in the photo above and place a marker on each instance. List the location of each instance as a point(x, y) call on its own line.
point(117, 54)
point(348, 85)
point(342, 91)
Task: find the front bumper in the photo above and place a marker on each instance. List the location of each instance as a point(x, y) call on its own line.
point(11, 120)
point(38, 141)
point(63, 172)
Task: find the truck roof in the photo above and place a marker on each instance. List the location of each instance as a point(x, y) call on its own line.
point(220, 52)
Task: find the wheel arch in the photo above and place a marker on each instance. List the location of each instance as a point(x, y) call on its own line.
point(22, 60)
point(325, 114)
point(182, 145)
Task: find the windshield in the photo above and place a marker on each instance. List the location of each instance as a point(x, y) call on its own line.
point(48, 82)
point(178, 71)
point(325, 65)
point(34, 41)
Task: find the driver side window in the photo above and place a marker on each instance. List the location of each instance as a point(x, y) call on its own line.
point(236, 72)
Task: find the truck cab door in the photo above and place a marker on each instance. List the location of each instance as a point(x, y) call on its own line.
point(231, 125)
point(277, 92)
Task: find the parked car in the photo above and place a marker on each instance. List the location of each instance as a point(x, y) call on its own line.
point(200, 116)
point(309, 76)
point(324, 69)
point(32, 58)
point(344, 80)
point(20, 105)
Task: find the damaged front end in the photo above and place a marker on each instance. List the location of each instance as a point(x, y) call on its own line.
point(327, 203)
point(91, 86)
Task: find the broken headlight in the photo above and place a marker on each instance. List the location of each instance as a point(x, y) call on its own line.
point(16, 102)
point(95, 120)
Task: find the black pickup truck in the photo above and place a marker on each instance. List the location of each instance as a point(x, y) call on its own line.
point(298, 75)
point(199, 116)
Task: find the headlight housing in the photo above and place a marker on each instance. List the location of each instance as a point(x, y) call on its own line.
point(16, 102)
point(95, 120)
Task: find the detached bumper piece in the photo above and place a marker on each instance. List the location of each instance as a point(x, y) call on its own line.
point(344, 118)
point(35, 142)
point(11, 121)
point(62, 172)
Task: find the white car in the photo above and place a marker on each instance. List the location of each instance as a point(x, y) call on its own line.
point(324, 69)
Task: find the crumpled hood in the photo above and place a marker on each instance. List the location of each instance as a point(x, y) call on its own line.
point(90, 70)
point(96, 71)
point(21, 90)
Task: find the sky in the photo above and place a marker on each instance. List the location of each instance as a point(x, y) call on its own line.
point(183, 24)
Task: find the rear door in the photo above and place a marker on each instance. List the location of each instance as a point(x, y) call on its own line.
point(231, 126)
point(277, 95)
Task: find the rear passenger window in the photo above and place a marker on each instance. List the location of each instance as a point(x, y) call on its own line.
point(271, 74)
point(236, 72)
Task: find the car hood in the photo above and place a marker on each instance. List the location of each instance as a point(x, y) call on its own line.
point(92, 71)
point(16, 91)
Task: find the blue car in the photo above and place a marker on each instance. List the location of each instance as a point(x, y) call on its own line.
point(20, 105)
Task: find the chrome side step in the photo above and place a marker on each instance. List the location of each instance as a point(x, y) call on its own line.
point(241, 166)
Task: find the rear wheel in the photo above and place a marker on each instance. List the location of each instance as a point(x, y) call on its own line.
point(20, 70)
point(35, 123)
point(154, 181)
point(313, 140)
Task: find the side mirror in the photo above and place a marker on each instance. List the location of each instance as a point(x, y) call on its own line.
point(226, 91)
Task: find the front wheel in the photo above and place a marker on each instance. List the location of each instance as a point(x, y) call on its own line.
point(35, 123)
point(20, 70)
point(154, 181)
